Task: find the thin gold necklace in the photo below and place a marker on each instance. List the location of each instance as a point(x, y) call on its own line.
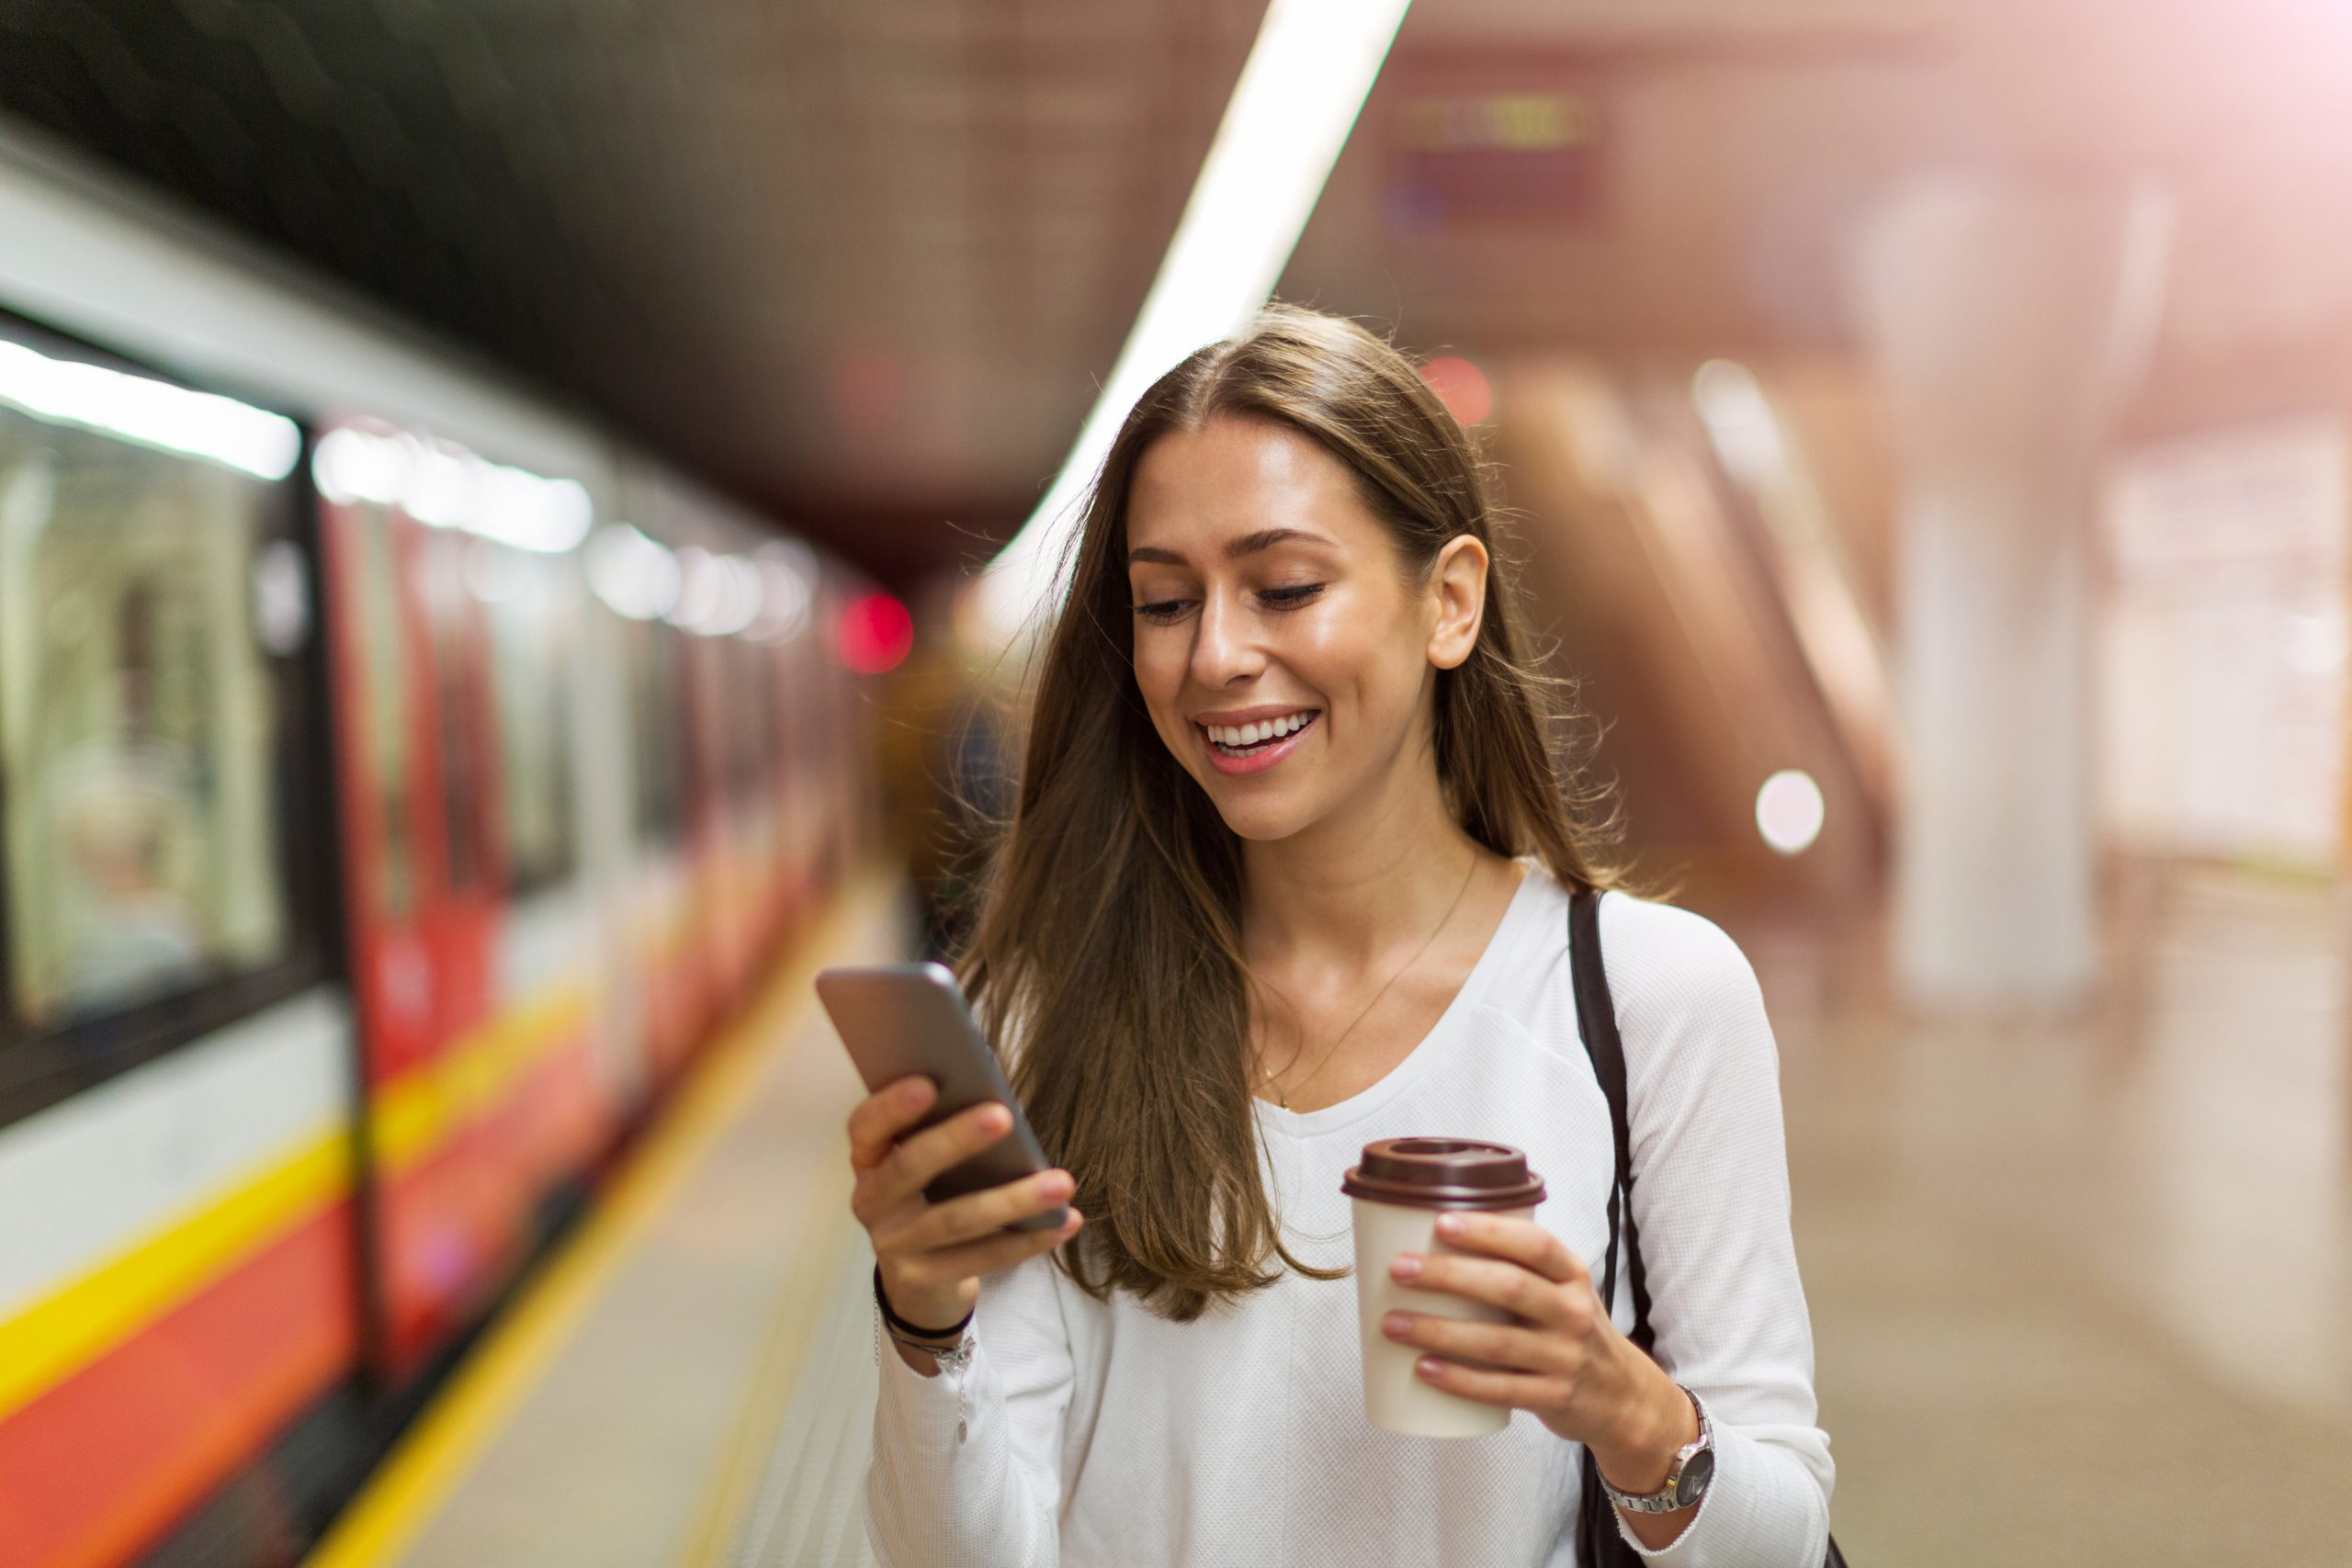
point(1282, 1096)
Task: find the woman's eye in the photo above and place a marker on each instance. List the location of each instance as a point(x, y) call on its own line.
point(1163, 609)
point(1291, 596)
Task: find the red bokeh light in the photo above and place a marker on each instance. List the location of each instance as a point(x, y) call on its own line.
point(1461, 387)
point(877, 633)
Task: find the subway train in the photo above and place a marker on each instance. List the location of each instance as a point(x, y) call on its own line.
point(401, 781)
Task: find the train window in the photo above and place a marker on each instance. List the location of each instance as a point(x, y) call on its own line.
point(657, 692)
point(142, 726)
point(533, 621)
point(461, 707)
point(751, 728)
point(383, 699)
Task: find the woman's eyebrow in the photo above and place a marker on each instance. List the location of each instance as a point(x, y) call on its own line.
point(1248, 544)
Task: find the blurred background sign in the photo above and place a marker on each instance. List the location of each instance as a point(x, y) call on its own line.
point(1532, 153)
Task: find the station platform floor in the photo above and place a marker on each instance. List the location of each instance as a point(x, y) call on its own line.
point(689, 1381)
point(2082, 1288)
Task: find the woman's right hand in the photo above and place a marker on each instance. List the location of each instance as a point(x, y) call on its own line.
point(932, 1255)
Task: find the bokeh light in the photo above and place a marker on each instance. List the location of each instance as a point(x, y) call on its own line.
point(877, 633)
point(1462, 386)
point(1789, 811)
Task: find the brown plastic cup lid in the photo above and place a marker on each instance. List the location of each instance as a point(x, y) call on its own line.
point(1444, 1173)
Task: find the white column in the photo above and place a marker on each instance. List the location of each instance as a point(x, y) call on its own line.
point(2005, 320)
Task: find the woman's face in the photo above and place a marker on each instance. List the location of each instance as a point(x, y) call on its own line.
point(1284, 655)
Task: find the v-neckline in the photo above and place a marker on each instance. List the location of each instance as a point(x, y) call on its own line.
point(1416, 1063)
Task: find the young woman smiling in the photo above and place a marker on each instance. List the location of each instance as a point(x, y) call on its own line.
point(1290, 871)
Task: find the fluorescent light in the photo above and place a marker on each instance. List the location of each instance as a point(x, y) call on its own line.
point(1291, 111)
point(700, 591)
point(788, 572)
point(149, 412)
point(443, 486)
point(635, 576)
point(351, 465)
point(737, 601)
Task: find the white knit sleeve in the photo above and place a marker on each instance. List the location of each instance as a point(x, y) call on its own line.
point(1711, 1195)
point(966, 1466)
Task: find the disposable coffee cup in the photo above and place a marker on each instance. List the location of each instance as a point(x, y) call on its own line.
point(1399, 1187)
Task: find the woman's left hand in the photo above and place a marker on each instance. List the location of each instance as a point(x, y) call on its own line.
point(1562, 1360)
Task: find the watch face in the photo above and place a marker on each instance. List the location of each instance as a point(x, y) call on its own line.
point(1692, 1484)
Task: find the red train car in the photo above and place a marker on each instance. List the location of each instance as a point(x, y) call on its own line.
point(398, 784)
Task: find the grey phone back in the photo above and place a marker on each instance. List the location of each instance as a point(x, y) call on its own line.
point(904, 1019)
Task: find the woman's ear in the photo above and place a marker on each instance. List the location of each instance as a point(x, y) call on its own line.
point(1458, 589)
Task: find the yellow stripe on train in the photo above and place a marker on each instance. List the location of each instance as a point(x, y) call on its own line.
point(61, 1334)
point(416, 1116)
point(58, 1336)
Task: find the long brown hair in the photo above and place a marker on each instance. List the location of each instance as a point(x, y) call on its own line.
point(1107, 954)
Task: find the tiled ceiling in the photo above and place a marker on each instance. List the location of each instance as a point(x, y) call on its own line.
point(859, 260)
point(863, 261)
point(1738, 146)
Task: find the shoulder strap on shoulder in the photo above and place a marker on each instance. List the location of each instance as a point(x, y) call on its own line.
point(1597, 1022)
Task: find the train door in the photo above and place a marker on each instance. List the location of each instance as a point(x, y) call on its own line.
point(416, 747)
point(709, 961)
point(460, 924)
point(659, 896)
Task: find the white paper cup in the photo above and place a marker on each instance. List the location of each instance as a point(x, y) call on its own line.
point(1399, 1189)
point(1396, 1397)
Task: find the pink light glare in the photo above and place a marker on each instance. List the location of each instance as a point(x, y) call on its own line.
point(876, 634)
point(1462, 386)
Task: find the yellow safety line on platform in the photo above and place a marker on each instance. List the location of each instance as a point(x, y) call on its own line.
point(421, 1471)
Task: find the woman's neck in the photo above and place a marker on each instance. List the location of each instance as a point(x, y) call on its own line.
point(1350, 889)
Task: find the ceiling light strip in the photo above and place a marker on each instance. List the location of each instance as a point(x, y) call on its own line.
point(1298, 98)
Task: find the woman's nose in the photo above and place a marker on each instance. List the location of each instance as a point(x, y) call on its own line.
point(1225, 648)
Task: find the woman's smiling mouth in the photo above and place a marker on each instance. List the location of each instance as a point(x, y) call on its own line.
point(1256, 744)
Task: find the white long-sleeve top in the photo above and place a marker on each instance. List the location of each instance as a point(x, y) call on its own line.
point(1090, 1434)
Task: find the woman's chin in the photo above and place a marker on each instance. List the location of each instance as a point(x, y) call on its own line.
point(1263, 821)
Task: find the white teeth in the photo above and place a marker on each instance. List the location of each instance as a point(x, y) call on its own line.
point(1265, 730)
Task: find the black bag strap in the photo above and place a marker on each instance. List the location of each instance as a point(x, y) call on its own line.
point(1597, 1022)
point(1597, 1543)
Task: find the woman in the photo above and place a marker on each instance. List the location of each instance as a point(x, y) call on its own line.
point(1290, 871)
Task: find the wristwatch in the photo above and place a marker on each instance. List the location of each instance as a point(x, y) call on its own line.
point(1686, 1480)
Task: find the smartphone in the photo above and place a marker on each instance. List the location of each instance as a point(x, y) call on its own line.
point(900, 1020)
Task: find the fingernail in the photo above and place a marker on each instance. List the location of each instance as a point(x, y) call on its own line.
point(1449, 1225)
point(1058, 1186)
point(1397, 1325)
point(1406, 1267)
point(1429, 1366)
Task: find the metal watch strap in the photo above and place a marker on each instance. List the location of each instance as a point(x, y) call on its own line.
point(1663, 1500)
